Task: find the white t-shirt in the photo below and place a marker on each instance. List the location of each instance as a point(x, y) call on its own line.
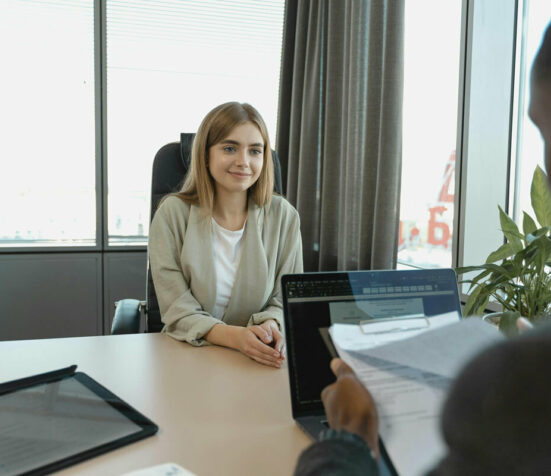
point(227, 254)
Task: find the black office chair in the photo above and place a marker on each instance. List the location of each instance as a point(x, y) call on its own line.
point(170, 167)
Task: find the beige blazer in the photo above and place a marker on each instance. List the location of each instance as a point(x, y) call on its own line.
point(182, 265)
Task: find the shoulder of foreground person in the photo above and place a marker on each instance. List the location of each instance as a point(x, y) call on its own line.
point(495, 418)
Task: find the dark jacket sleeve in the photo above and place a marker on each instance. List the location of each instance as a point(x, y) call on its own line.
point(337, 455)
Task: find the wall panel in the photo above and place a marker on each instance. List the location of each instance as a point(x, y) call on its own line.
point(50, 295)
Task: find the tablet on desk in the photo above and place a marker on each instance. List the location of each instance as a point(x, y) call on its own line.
point(53, 420)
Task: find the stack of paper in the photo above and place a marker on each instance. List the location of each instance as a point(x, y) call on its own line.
point(408, 373)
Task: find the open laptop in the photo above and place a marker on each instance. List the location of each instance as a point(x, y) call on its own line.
point(314, 301)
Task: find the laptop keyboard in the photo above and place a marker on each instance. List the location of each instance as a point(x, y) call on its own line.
point(334, 287)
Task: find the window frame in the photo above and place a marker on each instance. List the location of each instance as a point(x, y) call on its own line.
point(468, 110)
point(488, 105)
point(101, 238)
point(30, 248)
point(476, 222)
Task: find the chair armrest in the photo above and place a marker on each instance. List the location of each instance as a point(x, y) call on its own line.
point(127, 317)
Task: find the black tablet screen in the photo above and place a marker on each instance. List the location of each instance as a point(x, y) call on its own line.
point(50, 422)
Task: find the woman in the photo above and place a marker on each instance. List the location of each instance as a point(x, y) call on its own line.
point(218, 248)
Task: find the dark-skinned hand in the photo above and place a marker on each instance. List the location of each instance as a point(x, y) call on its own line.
point(350, 407)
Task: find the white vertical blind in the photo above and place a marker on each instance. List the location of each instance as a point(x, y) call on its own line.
point(47, 151)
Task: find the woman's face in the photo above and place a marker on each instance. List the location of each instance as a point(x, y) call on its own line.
point(236, 161)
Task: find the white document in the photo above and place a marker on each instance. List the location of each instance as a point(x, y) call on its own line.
point(350, 336)
point(408, 374)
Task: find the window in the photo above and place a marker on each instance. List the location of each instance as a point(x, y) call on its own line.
point(431, 75)
point(168, 63)
point(534, 18)
point(47, 190)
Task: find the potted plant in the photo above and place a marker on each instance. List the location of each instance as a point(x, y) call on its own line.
point(516, 275)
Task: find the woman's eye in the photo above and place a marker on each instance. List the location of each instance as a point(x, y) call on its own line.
point(229, 148)
point(256, 151)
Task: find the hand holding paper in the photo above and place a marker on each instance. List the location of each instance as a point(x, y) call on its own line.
point(408, 374)
point(349, 406)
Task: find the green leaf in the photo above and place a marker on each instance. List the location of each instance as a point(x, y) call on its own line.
point(537, 233)
point(528, 224)
point(510, 230)
point(467, 269)
point(499, 270)
point(543, 246)
point(519, 260)
point(504, 251)
point(536, 254)
point(483, 304)
point(541, 197)
point(481, 276)
point(471, 301)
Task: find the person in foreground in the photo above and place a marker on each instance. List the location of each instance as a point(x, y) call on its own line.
point(496, 419)
point(218, 248)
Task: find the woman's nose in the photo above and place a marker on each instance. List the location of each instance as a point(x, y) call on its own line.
point(242, 158)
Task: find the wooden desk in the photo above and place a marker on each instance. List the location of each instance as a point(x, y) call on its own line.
point(219, 413)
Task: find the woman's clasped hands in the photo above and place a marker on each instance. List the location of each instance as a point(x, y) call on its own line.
point(263, 343)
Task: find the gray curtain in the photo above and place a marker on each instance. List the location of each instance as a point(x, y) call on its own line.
point(340, 129)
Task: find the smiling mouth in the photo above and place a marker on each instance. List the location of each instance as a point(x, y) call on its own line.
point(239, 174)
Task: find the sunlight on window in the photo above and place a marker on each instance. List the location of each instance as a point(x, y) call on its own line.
point(47, 173)
point(429, 133)
point(168, 64)
point(536, 17)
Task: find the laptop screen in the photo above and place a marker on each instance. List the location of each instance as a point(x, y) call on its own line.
point(314, 301)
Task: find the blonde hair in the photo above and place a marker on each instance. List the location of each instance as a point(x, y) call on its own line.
point(198, 188)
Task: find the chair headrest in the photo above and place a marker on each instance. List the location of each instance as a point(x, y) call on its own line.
point(186, 141)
